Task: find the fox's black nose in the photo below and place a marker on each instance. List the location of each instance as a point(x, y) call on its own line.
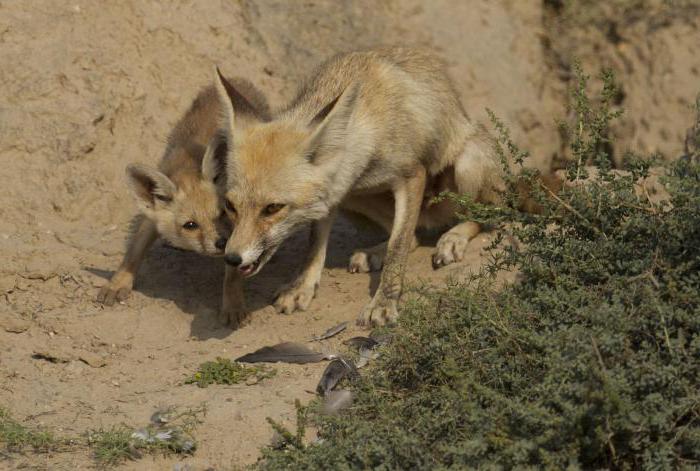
point(221, 243)
point(233, 259)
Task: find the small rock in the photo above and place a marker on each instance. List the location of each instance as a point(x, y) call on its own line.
point(14, 325)
point(92, 359)
point(251, 380)
point(37, 269)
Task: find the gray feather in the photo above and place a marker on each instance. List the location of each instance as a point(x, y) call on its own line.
point(361, 342)
point(335, 330)
point(335, 371)
point(366, 354)
point(382, 339)
point(286, 352)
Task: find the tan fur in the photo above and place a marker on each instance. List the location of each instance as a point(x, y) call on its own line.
point(383, 124)
point(183, 189)
point(553, 182)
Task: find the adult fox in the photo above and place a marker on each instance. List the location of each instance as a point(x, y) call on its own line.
point(375, 132)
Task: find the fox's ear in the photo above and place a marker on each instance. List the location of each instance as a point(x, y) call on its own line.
point(227, 97)
point(248, 101)
point(328, 127)
point(148, 185)
point(214, 160)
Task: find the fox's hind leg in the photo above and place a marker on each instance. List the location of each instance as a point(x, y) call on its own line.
point(119, 287)
point(453, 244)
point(475, 175)
point(371, 259)
point(368, 259)
point(380, 210)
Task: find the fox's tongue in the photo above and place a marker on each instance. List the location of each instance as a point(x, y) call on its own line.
point(246, 270)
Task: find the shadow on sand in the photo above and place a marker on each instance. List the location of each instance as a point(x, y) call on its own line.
point(194, 282)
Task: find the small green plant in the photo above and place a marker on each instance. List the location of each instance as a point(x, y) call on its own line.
point(225, 371)
point(170, 431)
point(112, 445)
point(288, 439)
point(16, 437)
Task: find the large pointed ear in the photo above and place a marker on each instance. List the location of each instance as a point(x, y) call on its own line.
point(148, 185)
point(248, 101)
point(214, 160)
point(228, 96)
point(329, 126)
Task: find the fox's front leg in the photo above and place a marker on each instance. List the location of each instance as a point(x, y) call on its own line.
point(119, 287)
point(408, 195)
point(298, 294)
point(233, 310)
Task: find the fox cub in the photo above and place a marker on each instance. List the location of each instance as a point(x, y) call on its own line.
point(181, 201)
point(375, 132)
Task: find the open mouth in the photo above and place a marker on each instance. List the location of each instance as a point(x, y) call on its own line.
point(251, 268)
point(247, 270)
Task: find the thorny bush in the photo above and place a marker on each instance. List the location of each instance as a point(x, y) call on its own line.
point(590, 360)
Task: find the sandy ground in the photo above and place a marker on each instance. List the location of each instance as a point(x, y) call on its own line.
point(118, 365)
point(90, 86)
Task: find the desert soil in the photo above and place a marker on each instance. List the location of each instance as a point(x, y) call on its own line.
point(89, 86)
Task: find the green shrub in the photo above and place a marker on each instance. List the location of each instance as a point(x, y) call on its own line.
point(591, 360)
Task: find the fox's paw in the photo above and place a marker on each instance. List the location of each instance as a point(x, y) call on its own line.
point(232, 316)
point(379, 312)
point(118, 289)
point(365, 261)
point(450, 249)
point(295, 297)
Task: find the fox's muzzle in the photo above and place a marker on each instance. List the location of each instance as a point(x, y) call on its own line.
point(248, 269)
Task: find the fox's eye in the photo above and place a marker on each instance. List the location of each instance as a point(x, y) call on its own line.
point(190, 225)
point(229, 206)
point(273, 208)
